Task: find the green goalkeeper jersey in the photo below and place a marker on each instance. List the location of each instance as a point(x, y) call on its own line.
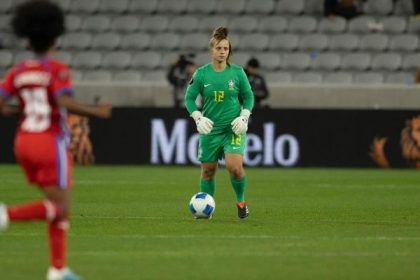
point(220, 93)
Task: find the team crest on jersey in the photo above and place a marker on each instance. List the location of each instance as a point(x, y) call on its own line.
point(231, 85)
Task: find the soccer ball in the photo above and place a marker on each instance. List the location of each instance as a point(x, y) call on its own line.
point(202, 205)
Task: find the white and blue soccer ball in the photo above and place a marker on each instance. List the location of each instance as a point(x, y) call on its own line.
point(202, 205)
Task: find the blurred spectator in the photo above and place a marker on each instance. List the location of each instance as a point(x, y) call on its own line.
point(417, 77)
point(257, 82)
point(416, 7)
point(80, 145)
point(179, 75)
point(347, 9)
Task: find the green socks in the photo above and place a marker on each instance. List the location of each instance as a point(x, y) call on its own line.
point(207, 186)
point(239, 188)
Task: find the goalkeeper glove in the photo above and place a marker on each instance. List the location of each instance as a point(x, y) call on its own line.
point(204, 125)
point(240, 124)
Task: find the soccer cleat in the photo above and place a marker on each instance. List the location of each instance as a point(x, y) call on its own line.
point(4, 218)
point(243, 210)
point(61, 274)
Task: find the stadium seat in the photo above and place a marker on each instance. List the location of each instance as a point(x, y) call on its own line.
point(112, 6)
point(73, 23)
point(240, 58)
point(116, 60)
point(135, 41)
point(154, 23)
point(394, 24)
point(77, 40)
point(314, 7)
point(126, 24)
point(338, 25)
point(386, 61)
point(64, 4)
point(361, 24)
point(406, 78)
point(108, 41)
point(269, 60)
point(147, 60)
point(97, 23)
point(183, 24)
point(143, 7)
point(278, 77)
point(194, 42)
point(374, 42)
point(411, 62)
point(76, 75)
point(414, 25)
point(356, 61)
point(265, 7)
point(86, 60)
point(338, 78)
point(307, 77)
point(296, 61)
point(368, 78)
point(165, 41)
point(126, 76)
point(302, 24)
point(203, 58)
point(344, 42)
point(209, 23)
point(326, 62)
point(230, 7)
point(253, 42)
point(196, 7)
point(5, 23)
point(404, 7)
point(290, 7)
point(272, 24)
point(5, 6)
point(314, 41)
point(171, 7)
point(83, 6)
point(6, 59)
point(404, 43)
point(379, 7)
point(169, 58)
point(97, 76)
point(154, 76)
point(22, 55)
point(243, 24)
point(64, 57)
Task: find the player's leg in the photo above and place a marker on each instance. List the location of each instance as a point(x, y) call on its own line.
point(207, 184)
point(234, 148)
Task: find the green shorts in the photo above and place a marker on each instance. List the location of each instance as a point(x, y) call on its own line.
point(211, 148)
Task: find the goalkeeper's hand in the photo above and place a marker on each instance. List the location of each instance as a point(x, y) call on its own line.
point(204, 125)
point(240, 124)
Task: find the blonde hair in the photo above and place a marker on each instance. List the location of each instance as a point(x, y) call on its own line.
point(219, 34)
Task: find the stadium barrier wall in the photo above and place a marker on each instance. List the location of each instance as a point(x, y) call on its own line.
point(276, 138)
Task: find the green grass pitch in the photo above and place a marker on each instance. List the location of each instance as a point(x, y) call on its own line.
point(132, 222)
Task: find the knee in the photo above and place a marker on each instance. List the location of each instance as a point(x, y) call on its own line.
point(208, 173)
point(236, 172)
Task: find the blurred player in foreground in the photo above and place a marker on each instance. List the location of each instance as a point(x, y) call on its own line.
point(44, 91)
point(222, 123)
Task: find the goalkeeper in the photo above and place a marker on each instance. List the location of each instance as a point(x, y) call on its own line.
point(222, 123)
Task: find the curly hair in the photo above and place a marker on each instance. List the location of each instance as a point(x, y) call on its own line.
point(219, 34)
point(410, 142)
point(41, 21)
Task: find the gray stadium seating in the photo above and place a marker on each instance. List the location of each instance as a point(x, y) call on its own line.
point(165, 41)
point(135, 41)
point(83, 6)
point(338, 25)
point(116, 60)
point(112, 6)
point(326, 61)
point(64, 57)
point(269, 61)
point(194, 41)
point(253, 42)
point(126, 24)
point(307, 77)
point(156, 75)
point(184, 24)
point(278, 77)
point(373, 42)
point(411, 61)
point(172, 7)
point(107, 41)
point(73, 23)
point(154, 23)
point(96, 23)
point(146, 60)
point(344, 42)
point(404, 43)
point(6, 59)
point(356, 61)
point(338, 78)
point(314, 41)
point(22, 55)
point(127, 76)
point(272, 24)
point(368, 78)
point(290, 7)
point(260, 7)
point(97, 76)
point(86, 60)
point(197, 7)
point(243, 24)
point(143, 7)
point(379, 7)
point(361, 24)
point(400, 78)
point(302, 24)
point(77, 40)
point(230, 7)
point(296, 61)
point(208, 23)
point(386, 61)
point(394, 24)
